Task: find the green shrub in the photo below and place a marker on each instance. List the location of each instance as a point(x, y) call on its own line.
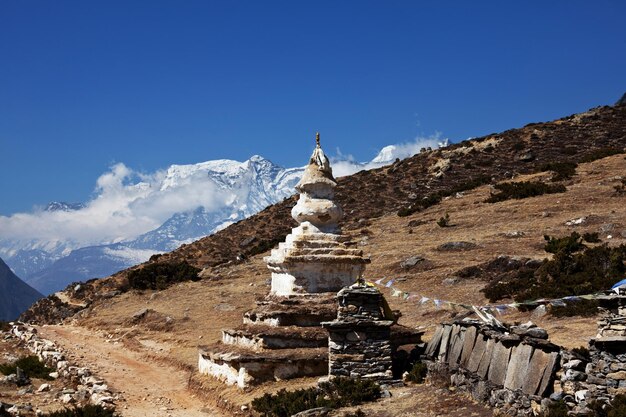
point(340, 392)
point(85, 411)
point(265, 245)
point(4, 326)
point(562, 170)
point(444, 221)
point(620, 188)
point(418, 373)
point(525, 189)
point(159, 276)
point(590, 237)
point(574, 270)
point(569, 244)
point(31, 365)
point(600, 153)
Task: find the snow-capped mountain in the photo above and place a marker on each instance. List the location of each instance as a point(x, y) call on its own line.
point(243, 188)
point(63, 206)
point(135, 215)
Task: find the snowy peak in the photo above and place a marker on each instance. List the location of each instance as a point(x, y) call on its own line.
point(63, 206)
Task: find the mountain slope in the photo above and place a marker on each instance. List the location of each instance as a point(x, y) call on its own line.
point(370, 195)
point(15, 295)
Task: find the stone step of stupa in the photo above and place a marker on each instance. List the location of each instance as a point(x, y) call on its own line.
point(300, 310)
point(259, 337)
point(235, 365)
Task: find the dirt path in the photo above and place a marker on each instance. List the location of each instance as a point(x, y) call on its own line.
point(148, 388)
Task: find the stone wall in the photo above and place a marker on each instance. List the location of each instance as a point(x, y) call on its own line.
point(90, 388)
point(599, 375)
point(510, 369)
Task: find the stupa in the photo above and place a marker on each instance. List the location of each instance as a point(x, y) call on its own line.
point(282, 337)
point(315, 258)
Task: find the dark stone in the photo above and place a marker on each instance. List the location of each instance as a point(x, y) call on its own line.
point(411, 262)
point(456, 246)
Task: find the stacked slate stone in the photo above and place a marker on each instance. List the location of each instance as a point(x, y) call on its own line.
point(602, 375)
point(360, 338)
point(510, 369)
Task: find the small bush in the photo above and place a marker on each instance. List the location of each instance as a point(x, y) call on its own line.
point(418, 373)
point(265, 245)
point(518, 146)
point(4, 326)
point(341, 392)
point(600, 153)
point(569, 244)
point(86, 411)
point(525, 189)
point(31, 365)
point(591, 237)
point(444, 221)
point(159, 276)
point(620, 188)
point(562, 170)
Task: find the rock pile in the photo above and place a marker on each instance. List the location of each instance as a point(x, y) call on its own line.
point(600, 375)
point(86, 386)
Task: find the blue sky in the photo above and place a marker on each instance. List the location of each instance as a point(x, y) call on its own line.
point(85, 85)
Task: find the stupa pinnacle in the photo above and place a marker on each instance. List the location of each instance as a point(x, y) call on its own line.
point(314, 257)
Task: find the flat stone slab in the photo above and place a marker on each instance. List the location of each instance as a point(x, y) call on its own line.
point(456, 345)
point(518, 367)
point(499, 364)
point(547, 378)
point(485, 361)
point(536, 369)
point(445, 339)
point(468, 345)
point(478, 351)
point(433, 345)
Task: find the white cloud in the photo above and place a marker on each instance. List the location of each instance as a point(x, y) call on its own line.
point(346, 165)
point(126, 204)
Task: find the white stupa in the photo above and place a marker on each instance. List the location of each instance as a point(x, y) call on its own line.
point(315, 257)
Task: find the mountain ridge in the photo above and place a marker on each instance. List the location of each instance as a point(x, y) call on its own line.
point(15, 295)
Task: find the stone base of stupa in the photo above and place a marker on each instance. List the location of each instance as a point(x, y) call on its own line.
point(281, 339)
